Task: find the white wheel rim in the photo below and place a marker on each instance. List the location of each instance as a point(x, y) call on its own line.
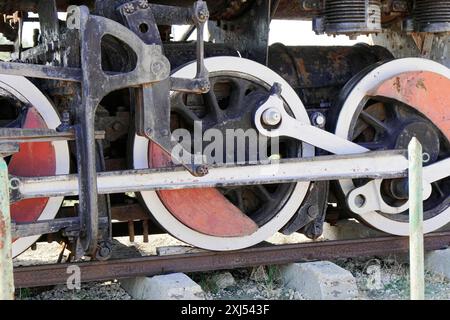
point(186, 234)
point(344, 124)
point(23, 89)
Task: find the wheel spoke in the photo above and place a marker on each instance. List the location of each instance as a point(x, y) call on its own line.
point(393, 111)
point(187, 114)
point(359, 129)
point(438, 189)
point(213, 104)
point(239, 199)
point(17, 122)
point(262, 193)
point(238, 93)
point(183, 110)
point(374, 122)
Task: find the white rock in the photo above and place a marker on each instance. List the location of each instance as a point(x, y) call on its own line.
point(321, 280)
point(438, 262)
point(349, 229)
point(175, 286)
point(223, 280)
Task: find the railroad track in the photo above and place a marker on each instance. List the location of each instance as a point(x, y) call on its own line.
point(45, 275)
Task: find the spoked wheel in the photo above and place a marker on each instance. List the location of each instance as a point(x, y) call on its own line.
point(234, 217)
point(24, 106)
point(382, 109)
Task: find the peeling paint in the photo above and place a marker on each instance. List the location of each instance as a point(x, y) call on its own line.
point(397, 84)
point(421, 84)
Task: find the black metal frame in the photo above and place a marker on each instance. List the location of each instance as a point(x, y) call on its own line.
point(149, 79)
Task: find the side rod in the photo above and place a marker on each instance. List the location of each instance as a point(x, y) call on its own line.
point(373, 165)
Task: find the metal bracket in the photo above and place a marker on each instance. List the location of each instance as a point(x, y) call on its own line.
point(151, 66)
point(41, 227)
point(311, 214)
point(272, 120)
point(368, 198)
point(249, 34)
point(152, 103)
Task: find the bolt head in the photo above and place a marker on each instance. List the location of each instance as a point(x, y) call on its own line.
point(129, 8)
point(271, 117)
point(148, 132)
point(319, 119)
point(143, 4)
point(105, 251)
point(202, 170)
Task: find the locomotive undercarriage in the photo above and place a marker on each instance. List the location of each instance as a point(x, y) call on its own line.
point(113, 88)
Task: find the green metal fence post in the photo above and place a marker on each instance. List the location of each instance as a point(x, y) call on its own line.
point(6, 265)
point(416, 250)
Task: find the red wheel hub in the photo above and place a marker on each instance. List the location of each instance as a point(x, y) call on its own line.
point(205, 210)
point(427, 92)
point(33, 160)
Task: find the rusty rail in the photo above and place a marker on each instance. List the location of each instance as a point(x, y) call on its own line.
point(44, 275)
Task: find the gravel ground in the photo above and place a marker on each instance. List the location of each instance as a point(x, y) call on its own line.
point(110, 290)
point(393, 282)
point(377, 279)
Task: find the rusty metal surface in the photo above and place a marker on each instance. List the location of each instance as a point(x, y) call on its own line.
point(220, 9)
point(44, 275)
point(291, 10)
point(318, 73)
point(351, 17)
point(31, 5)
point(403, 44)
point(129, 212)
point(421, 90)
point(432, 16)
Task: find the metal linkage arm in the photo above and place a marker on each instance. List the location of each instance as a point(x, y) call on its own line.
point(382, 164)
point(198, 16)
point(40, 71)
point(272, 120)
point(152, 103)
point(19, 135)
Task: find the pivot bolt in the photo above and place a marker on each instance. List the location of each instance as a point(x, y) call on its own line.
point(318, 119)
point(143, 4)
point(104, 251)
point(271, 117)
point(66, 118)
point(201, 170)
point(149, 132)
point(203, 15)
point(129, 8)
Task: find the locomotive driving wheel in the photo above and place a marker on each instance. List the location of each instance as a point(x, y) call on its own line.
point(234, 217)
point(25, 106)
point(383, 108)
